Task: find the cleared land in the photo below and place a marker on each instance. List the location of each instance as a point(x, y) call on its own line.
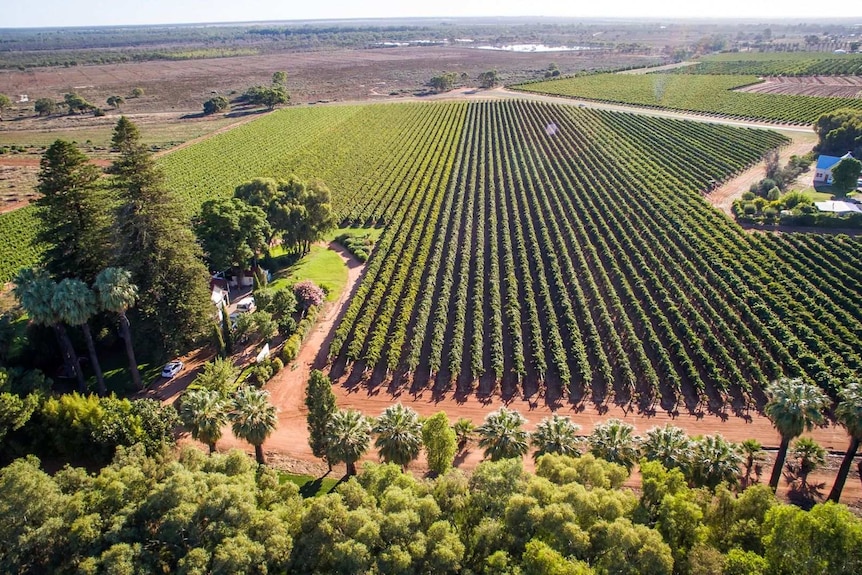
point(312, 76)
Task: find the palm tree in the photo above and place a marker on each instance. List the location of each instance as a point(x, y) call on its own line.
point(714, 460)
point(75, 303)
point(118, 294)
point(616, 442)
point(464, 431)
point(793, 407)
point(253, 418)
point(35, 292)
point(204, 412)
point(810, 455)
point(399, 435)
point(751, 450)
point(348, 435)
point(502, 435)
point(849, 414)
point(669, 445)
point(556, 434)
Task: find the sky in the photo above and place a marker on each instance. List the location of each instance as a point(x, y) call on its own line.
point(52, 13)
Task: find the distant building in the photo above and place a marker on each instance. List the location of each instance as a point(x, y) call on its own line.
point(823, 170)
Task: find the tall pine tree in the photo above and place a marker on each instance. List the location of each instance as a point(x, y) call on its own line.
point(75, 214)
point(156, 244)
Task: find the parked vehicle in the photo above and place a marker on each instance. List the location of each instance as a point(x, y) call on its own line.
point(246, 305)
point(172, 368)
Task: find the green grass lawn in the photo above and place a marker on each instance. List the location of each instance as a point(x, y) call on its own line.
point(309, 486)
point(115, 367)
point(322, 266)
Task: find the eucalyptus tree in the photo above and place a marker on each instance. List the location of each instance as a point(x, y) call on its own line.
point(117, 294)
point(348, 436)
point(793, 406)
point(75, 304)
point(253, 418)
point(556, 434)
point(849, 414)
point(502, 435)
point(35, 292)
point(615, 441)
point(399, 435)
point(204, 412)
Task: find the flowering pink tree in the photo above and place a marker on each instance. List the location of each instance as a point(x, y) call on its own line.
point(308, 294)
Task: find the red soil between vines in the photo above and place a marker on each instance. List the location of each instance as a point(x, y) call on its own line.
point(290, 440)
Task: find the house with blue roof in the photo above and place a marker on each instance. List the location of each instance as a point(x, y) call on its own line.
point(823, 170)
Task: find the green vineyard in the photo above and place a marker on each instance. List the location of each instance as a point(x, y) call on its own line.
point(363, 153)
point(571, 252)
point(778, 64)
point(536, 247)
point(707, 94)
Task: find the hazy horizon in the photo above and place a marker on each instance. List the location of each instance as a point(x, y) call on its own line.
point(62, 13)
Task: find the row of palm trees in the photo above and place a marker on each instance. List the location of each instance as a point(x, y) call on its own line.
point(71, 302)
point(793, 407)
point(205, 412)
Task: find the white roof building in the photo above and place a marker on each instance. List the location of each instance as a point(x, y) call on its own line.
point(837, 207)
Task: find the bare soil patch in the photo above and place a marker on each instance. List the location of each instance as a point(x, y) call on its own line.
point(821, 86)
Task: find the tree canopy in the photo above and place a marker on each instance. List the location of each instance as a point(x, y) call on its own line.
point(840, 132)
point(157, 246)
point(191, 513)
point(74, 214)
point(845, 176)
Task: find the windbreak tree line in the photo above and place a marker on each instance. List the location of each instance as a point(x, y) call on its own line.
point(199, 514)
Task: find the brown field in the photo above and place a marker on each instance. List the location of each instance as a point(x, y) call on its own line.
point(312, 76)
point(822, 86)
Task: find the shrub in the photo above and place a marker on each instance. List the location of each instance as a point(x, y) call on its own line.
point(308, 294)
point(291, 348)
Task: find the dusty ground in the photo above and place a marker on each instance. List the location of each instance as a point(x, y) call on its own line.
point(312, 76)
point(822, 86)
